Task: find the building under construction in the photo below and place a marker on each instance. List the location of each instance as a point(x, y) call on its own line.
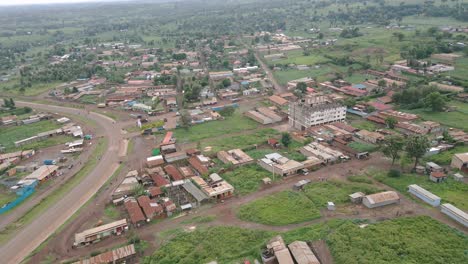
point(313, 111)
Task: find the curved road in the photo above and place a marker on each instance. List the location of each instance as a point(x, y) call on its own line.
point(32, 235)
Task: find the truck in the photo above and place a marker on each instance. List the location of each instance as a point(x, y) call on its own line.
point(50, 162)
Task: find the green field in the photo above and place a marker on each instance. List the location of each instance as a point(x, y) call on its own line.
point(322, 74)
point(297, 57)
point(241, 141)
point(233, 124)
point(335, 191)
point(449, 119)
point(450, 191)
point(404, 240)
point(445, 158)
point(282, 208)
point(14, 133)
point(247, 179)
point(363, 147)
point(223, 244)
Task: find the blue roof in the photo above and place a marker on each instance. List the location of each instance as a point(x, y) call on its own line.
point(244, 82)
point(359, 86)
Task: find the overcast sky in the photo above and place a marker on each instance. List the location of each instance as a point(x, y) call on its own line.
point(28, 2)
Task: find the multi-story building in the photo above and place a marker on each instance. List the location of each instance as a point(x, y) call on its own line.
point(315, 111)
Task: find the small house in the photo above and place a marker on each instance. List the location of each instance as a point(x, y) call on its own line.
point(424, 195)
point(433, 167)
point(380, 199)
point(460, 162)
point(458, 177)
point(356, 197)
point(437, 176)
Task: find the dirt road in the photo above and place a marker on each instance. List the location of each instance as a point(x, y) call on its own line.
point(279, 88)
point(32, 235)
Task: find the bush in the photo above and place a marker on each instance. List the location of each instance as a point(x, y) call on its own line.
point(394, 173)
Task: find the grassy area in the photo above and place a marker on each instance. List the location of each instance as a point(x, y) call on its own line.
point(450, 119)
point(445, 158)
point(233, 124)
point(33, 213)
point(200, 219)
point(361, 123)
point(297, 57)
point(282, 208)
point(284, 76)
point(402, 240)
point(246, 179)
point(6, 196)
point(450, 191)
point(223, 244)
point(111, 212)
point(335, 191)
point(241, 141)
point(53, 141)
point(36, 89)
point(15, 133)
point(363, 147)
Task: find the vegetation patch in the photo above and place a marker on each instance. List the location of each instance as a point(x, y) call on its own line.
point(363, 147)
point(200, 219)
point(445, 157)
point(233, 124)
point(246, 179)
point(450, 191)
point(402, 240)
point(223, 244)
point(282, 208)
point(14, 133)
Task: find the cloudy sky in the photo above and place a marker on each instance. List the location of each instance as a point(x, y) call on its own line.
point(27, 2)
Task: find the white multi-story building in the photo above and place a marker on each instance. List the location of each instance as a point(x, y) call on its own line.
point(315, 111)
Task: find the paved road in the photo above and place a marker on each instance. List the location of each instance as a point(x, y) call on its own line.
point(32, 235)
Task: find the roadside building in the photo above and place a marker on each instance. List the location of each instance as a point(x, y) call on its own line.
point(235, 157)
point(97, 233)
point(154, 161)
point(135, 213)
point(43, 173)
point(176, 156)
point(125, 254)
point(270, 113)
point(315, 111)
point(380, 199)
point(216, 188)
point(460, 162)
point(455, 213)
point(302, 253)
point(127, 186)
point(277, 164)
point(169, 207)
point(424, 195)
point(260, 118)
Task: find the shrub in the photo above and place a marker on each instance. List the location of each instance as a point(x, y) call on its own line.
point(394, 173)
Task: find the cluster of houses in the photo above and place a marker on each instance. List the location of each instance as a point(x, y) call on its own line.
point(277, 252)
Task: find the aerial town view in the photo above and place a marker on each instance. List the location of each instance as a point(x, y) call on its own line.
point(234, 131)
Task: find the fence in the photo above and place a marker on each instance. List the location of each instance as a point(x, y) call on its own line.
point(28, 191)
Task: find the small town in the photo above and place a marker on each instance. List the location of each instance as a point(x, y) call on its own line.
point(220, 132)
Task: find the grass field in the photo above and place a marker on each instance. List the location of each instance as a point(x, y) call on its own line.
point(449, 119)
point(297, 57)
point(322, 74)
point(445, 158)
point(240, 141)
point(233, 124)
point(223, 244)
point(402, 240)
point(6, 196)
point(335, 191)
point(246, 179)
point(363, 147)
point(450, 191)
point(14, 133)
point(282, 208)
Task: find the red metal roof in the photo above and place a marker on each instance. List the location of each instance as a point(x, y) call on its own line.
point(134, 211)
point(197, 165)
point(167, 138)
point(159, 180)
point(173, 172)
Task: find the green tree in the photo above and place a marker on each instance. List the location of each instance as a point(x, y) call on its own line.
point(75, 90)
point(391, 122)
point(286, 139)
point(416, 147)
point(435, 101)
point(349, 102)
point(185, 120)
point(227, 111)
point(6, 103)
point(226, 83)
point(302, 87)
point(392, 147)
